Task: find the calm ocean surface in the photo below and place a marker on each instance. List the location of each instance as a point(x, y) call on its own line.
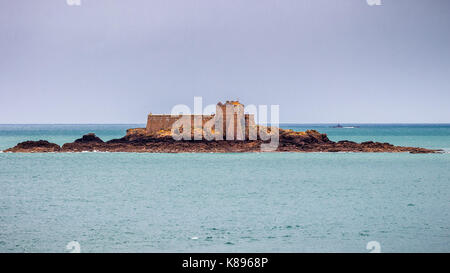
point(274, 202)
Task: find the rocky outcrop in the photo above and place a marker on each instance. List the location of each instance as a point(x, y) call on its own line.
point(89, 138)
point(40, 146)
point(137, 141)
point(313, 141)
point(89, 142)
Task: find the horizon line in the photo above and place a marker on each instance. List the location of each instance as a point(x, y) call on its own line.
point(281, 123)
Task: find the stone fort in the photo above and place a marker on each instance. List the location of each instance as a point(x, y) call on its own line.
point(229, 120)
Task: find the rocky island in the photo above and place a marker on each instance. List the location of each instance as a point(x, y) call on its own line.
point(229, 121)
point(290, 141)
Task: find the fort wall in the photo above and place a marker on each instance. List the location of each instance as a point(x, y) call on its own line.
point(156, 123)
point(230, 121)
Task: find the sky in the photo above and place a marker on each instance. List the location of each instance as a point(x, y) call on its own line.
point(321, 61)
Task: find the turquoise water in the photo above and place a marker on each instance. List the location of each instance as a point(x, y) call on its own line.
point(273, 202)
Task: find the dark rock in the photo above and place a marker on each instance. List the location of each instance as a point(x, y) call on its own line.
point(91, 137)
point(40, 146)
point(367, 143)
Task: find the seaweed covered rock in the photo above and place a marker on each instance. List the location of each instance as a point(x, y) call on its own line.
point(40, 146)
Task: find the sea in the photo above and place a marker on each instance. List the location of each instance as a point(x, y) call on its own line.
point(237, 202)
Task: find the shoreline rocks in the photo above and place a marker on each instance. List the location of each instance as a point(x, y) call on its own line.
point(40, 146)
point(135, 141)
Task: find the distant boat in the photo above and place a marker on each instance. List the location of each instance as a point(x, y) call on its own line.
point(347, 127)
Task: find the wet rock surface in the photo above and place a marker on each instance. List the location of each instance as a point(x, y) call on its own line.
point(135, 141)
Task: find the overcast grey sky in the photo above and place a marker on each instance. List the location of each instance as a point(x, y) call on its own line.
point(114, 61)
